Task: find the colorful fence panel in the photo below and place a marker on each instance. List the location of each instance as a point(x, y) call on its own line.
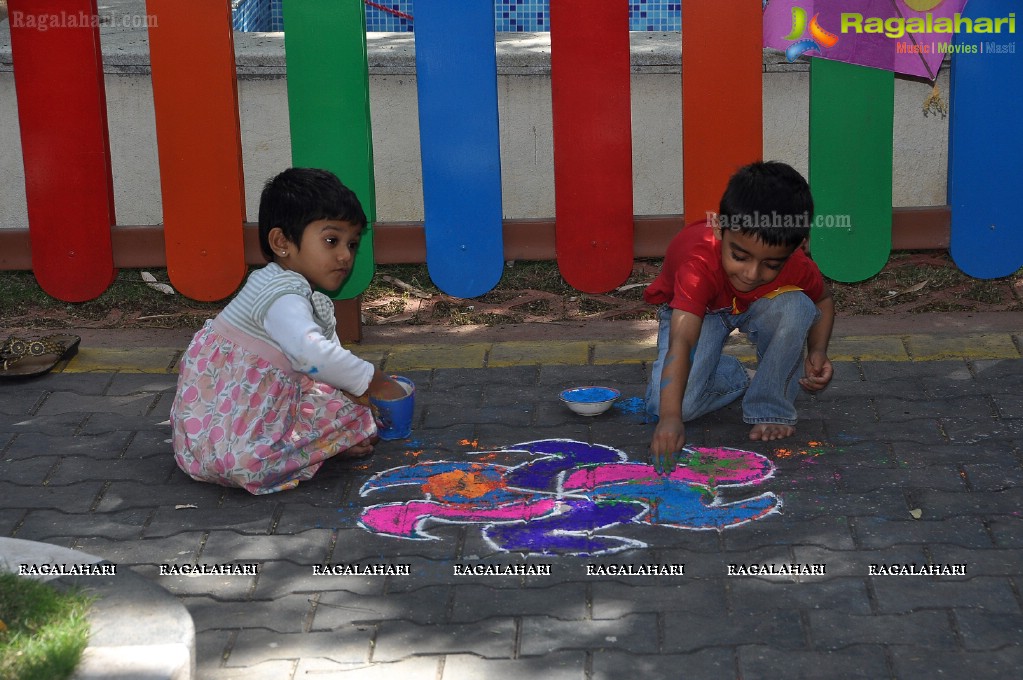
point(328, 104)
point(590, 92)
point(67, 158)
point(456, 67)
point(986, 148)
point(68, 181)
point(722, 98)
point(195, 92)
point(851, 112)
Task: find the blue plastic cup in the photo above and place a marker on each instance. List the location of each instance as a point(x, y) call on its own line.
point(394, 416)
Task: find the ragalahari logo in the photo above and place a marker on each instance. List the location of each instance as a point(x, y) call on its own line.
point(818, 40)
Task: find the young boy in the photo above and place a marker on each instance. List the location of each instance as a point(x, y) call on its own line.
point(746, 269)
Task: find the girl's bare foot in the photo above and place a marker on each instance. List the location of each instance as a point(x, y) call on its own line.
point(767, 432)
point(361, 450)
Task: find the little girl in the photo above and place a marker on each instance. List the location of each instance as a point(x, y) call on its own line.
point(265, 391)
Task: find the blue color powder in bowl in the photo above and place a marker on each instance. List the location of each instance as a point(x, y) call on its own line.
point(589, 400)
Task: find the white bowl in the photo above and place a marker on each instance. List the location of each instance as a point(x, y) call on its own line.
point(590, 400)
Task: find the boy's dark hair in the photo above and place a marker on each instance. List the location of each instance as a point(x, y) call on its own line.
point(768, 200)
point(298, 196)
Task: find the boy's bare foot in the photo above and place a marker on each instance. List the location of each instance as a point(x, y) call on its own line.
point(767, 432)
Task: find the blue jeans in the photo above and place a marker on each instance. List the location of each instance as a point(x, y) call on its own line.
point(777, 327)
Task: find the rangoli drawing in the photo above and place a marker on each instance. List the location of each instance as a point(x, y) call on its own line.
point(566, 496)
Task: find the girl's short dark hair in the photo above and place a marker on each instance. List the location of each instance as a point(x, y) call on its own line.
point(299, 196)
point(768, 200)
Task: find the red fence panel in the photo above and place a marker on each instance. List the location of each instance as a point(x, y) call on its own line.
point(590, 89)
point(63, 117)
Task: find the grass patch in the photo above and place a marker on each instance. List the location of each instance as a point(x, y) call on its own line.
point(128, 295)
point(44, 630)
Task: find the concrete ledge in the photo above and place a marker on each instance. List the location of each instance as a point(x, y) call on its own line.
point(138, 630)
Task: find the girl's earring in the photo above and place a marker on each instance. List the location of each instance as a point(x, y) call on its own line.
point(284, 253)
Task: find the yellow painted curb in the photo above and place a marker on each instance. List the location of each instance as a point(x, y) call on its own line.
point(623, 352)
point(425, 357)
point(524, 353)
point(374, 354)
point(142, 360)
point(868, 348)
point(974, 346)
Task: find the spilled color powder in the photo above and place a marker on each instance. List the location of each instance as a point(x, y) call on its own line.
point(633, 408)
point(813, 449)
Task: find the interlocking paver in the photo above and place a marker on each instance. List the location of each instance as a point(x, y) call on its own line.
point(219, 587)
point(348, 646)
point(341, 609)
point(876, 532)
point(415, 668)
point(859, 662)
point(913, 664)
point(43, 525)
point(180, 548)
point(686, 632)
point(857, 563)
point(477, 602)
point(41, 444)
point(181, 492)
point(985, 477)
point(980, 431)
point(826, 532)
point(168, 521)
point(268, 670)
point(945, 478)
point(833, 628)
point(706, 663)
point(287, 614)
point(134, 383)
point(58, 403)
point(492, 639)
point(73, 498)
point(44, 425)
point(763, 594)
point(556, 666)
point(1008, 405)
point(306, 547)
point(901, 408)
point(101, 423)
point(636, 633)
point(897, 594)
point(33, 471)
point(981, 629)
point(614, 600)
point(149, 471)
point(1007, 531)
point(10, 519)
point(914, 455)
point(1000, 562)
point(943, 504)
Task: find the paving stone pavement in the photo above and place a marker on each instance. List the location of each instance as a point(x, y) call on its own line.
point(901, 464)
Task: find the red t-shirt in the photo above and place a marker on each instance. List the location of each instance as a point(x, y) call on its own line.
point(693, 280)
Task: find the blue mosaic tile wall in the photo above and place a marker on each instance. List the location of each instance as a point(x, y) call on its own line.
point(509, 15)
point(276, 16)
point(250, 15)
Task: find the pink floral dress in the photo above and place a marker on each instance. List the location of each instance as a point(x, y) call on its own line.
point(242, 417)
